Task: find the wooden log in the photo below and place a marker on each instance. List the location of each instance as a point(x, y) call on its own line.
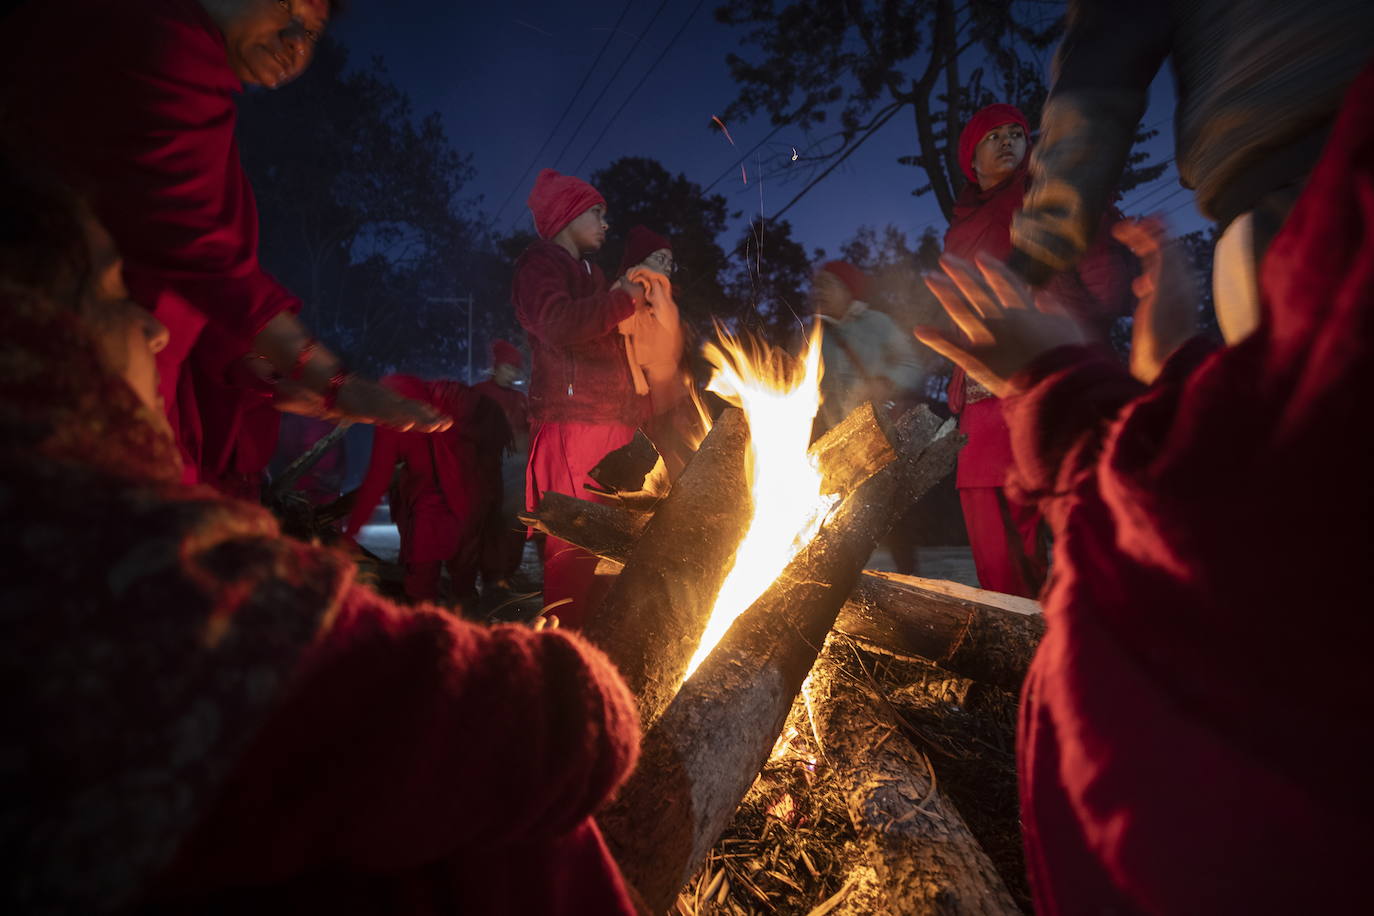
point(927, 860)
point(595, 527)
point(624, 469)
point(297, 469)
point(978, 634)
point(705, 750)
point(986, 636)
point(653, 616)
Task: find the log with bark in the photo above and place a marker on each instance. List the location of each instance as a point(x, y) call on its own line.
point(652, 620)
point(926, 857)
point(707, 747)
point(971, 632)
point(653, 616)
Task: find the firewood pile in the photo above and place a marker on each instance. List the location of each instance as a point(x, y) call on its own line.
point(846, 746)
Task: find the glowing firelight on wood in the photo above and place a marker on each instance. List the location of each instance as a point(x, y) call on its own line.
point(779, 395)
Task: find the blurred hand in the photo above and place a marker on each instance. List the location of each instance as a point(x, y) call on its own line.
point(363, 400)
point(636, 290)
point(1166, 313)
point(1003, 329)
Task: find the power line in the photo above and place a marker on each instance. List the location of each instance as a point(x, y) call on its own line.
point(519, 182)
point(731, 168)
point(640, 85)
point(604, 89)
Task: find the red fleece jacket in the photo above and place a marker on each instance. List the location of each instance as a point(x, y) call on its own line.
point(580, 371)
point(1193, 726)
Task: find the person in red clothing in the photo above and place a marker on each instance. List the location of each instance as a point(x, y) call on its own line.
point(445, 489)
point(503, 537)
point(132, 103)
point(582, 397)
point(203, 716)
point(1006, 534)
point(1199, 504)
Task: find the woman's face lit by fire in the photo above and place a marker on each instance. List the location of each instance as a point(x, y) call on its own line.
point(128, 336)
point(999, 154)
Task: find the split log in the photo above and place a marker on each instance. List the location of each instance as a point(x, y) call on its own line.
point(986, 636)
point(708, 746)
point(652, 620)
point(595, 527)
point(978, 634)
point(624, 469)
point(297, 469)
point(653, 616)
point(926, 857)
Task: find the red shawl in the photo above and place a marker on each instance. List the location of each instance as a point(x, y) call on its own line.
point(1193, 727)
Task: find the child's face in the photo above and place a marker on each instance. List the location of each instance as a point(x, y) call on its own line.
point(588, 231)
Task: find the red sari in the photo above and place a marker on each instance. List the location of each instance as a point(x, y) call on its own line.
point(1193, 726)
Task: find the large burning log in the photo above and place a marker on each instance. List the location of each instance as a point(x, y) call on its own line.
point(986, 636)
point(653, 618)
point(705, 750)
point(926, 857)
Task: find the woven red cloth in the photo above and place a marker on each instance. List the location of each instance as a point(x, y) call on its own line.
point(556, 200)
point(1213, 538)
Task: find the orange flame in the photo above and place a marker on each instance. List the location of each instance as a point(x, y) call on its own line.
point(780, 396)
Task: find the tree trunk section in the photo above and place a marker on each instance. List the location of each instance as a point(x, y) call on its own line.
point(708, 746)
point(653, 616)
point(986, 636)
point(928, 862)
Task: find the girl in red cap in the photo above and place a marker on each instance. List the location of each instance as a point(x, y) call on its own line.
point(1005, 532)
point(582, 397)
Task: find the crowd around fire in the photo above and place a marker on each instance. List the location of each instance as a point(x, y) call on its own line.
point(204, 715)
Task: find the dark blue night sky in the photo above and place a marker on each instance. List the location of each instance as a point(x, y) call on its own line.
point(502, 73)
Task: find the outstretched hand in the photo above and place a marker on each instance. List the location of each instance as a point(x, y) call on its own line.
point(366, 401)
point(1002, 328)
point(1166, 313)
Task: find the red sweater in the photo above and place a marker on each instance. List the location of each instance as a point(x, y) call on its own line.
point(1193, 726)
point(580, 371)
point(516, 408)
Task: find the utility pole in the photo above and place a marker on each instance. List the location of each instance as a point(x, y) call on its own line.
point(460, 300)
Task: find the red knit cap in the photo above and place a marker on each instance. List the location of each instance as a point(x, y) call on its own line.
point(986, 119)
point(639, 244)
point(854, 279)
point(557, 200)
point(504, 353)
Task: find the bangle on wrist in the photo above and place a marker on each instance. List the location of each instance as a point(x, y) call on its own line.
point(302, 359)
point(336, 383)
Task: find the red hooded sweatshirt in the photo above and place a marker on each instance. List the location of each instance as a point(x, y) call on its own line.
point(1194, 726)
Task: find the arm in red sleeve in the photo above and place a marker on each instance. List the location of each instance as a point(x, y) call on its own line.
point(380, 468)
point(1071, 395)
point(548, 310)
point(168, 180)
point(410, 735)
